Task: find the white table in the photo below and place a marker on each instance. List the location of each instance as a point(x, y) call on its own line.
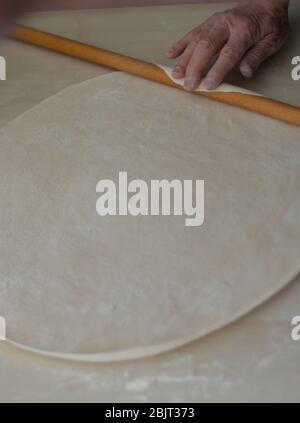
point(254, 359)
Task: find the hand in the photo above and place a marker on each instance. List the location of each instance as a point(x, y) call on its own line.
point(245, 35)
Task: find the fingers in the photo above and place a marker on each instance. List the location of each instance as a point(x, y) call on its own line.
point(180, 69)
point(230, 56)
point(196, 57)
point(179, 47)
point(185, 47)
point(256, 56)
point(202, 55)
point(244, 37)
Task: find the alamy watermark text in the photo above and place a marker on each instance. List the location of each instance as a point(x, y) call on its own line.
point(2, 69)
point(160, 197)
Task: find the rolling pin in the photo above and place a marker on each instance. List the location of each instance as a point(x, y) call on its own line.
point(255, 103)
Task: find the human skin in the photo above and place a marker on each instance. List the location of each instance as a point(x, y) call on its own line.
point(244, 36)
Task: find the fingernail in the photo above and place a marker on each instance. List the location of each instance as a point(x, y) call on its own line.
point(246, 71)
point(190, 83)
point(210, 84)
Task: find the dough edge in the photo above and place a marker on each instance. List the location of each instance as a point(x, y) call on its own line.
point(135, 353)
point(223, 88)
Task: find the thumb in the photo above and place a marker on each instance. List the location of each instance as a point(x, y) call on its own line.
point(255, 57)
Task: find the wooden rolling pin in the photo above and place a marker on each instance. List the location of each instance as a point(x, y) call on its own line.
point(265, 106)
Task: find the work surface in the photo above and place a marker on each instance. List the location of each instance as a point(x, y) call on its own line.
point(254, 359)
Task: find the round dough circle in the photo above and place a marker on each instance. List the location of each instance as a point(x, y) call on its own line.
point(77, 285)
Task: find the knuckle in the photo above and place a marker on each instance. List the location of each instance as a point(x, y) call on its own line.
point(230, 53)
point(206, 44)
point(196, 39)
point(246, 26)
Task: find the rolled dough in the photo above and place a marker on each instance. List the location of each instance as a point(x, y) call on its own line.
point(223, 88)
point(78, 286)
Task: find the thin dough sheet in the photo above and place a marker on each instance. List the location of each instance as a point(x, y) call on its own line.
point(79, 286)
point(223, 88)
